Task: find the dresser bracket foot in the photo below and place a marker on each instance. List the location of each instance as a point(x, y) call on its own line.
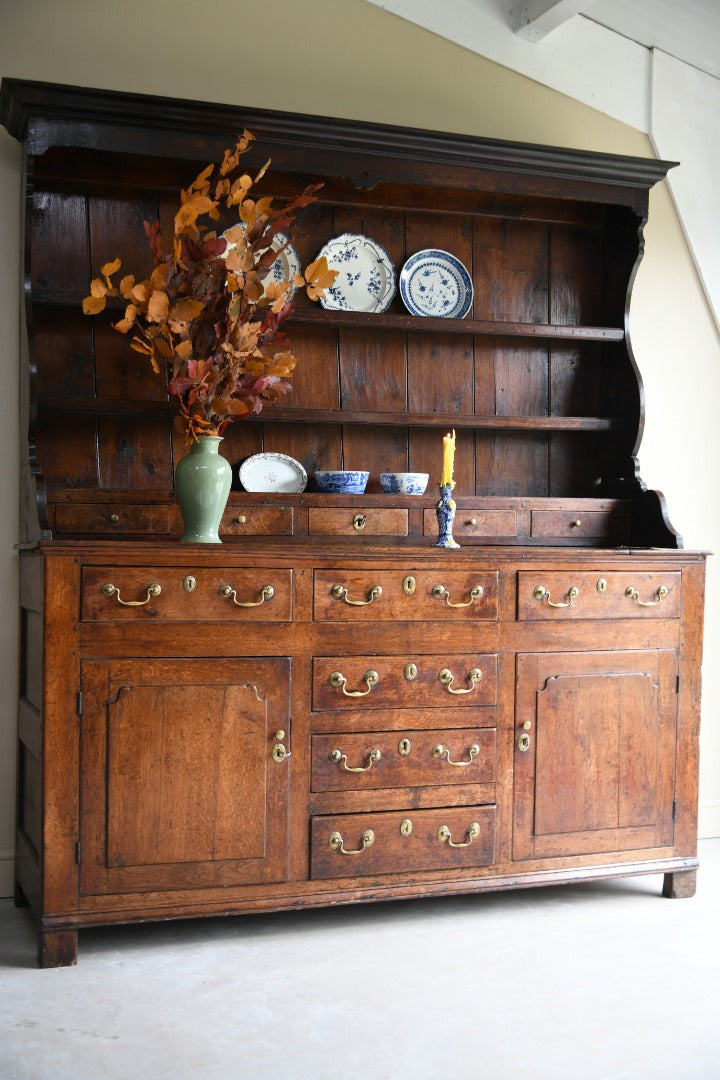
point(57, 948)
point(680, 884)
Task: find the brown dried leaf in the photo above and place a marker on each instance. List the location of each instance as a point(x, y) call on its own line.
point(110, 268)
point(98, 287)
point(185, 310)
point(92, 305)
point(158, 306)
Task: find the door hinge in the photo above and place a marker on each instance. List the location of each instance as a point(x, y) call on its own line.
point(78, 851)
point(79, 703)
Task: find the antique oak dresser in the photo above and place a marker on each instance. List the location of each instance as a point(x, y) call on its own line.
point(396, 719)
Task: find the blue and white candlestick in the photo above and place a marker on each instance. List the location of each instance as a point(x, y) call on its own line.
point(445, 510)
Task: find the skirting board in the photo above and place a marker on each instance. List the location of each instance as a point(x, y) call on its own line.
point(709, 820)
point(7, 872)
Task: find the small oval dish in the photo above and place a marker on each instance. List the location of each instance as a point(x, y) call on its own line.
point(404, 483)
point(272, 472)
point(342, 481)
point(366, 276)
point(434, 282)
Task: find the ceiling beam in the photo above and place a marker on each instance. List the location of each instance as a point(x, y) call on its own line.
point(534, 19)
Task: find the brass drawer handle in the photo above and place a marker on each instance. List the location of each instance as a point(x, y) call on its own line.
point(660, 594)
point(541, 593)
point(338, 758)
point(370, 678)
point(440, 593)
point(266, 593)
point(447, 678)
point(111, 590)
point(340, 593)
point(472, 832)
point(439, 751)
point(367, 840)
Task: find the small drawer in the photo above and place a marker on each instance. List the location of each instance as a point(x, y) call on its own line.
point(567, 594)
point(352, 845)
point(368, 595)
point(404, 682)
point(257, 521)
point(111, 593)
point(111, 520)
point(480, 523)
point(392, 759)
point(356, 521)
point(572, 524)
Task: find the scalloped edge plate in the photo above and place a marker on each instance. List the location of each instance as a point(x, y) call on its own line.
point(284, 267)
point(272, 472)
point(366, 275)
point(435, 283)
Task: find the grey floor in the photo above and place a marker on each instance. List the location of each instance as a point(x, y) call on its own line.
point(601, 981)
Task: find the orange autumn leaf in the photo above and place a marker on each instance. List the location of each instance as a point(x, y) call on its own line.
point(191, 209)
point(126, 323)
point(158, 306)
point(318, 278)
point(98, 287)
point(185, 310)
point(93, 305)
point(110, 268)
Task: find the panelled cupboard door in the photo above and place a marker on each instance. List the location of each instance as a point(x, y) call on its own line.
point(179, 787)
point(594, 752)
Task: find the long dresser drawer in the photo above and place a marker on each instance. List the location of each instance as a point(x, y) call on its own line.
point(351, 845)
point(166, 592)
point(352, 521)
point(448, 595)
point(404, 682)
point(569, 594)
point(362, 760)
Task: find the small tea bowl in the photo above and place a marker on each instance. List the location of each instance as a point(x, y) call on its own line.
point(404, 483)
point(341, 481)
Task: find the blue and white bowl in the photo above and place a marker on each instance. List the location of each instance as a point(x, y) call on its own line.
point(341, 481)
point(404, 483)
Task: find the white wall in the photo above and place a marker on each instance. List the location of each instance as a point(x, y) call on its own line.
point(348, 58)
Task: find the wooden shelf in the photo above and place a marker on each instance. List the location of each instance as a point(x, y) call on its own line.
point(391, 321)
point(157, 409)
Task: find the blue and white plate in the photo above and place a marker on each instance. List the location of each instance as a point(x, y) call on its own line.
point(434, 282)
point(366, 276)
point(285, 266)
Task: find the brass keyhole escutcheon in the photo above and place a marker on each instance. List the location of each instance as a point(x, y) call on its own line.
point(409, 585)
point(602, 584)
point(411, 671)
point(404, 747)
point(406, 827)
point(189, 583)
point(523, 742)
point(359, 522)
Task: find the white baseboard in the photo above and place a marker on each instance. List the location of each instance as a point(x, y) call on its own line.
point(709, 820)
point(7, 872)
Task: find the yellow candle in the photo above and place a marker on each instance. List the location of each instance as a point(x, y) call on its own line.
point(448, 459)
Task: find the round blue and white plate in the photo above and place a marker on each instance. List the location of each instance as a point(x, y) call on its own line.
point(284, 267)
point(366, 276)
point(434, 282)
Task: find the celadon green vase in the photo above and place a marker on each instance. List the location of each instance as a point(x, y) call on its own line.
point(202, 482)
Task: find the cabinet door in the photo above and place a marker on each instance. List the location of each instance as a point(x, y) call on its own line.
point(179, 788)
point(598, 773)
